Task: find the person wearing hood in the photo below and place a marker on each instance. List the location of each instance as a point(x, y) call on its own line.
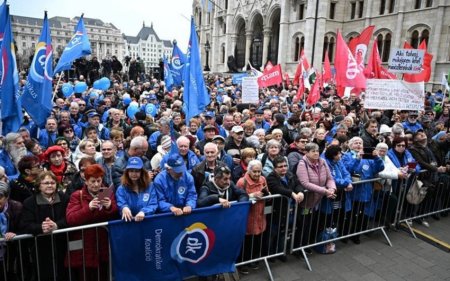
point(162, 150)
point(63, 170)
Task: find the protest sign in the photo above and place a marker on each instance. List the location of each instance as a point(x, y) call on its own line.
point(394, 94)
point(406, 60)
point(250, 90)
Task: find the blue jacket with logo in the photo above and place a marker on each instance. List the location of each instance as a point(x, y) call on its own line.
point(145, 201)
point(367, 169)
point(171, 192)
point(342, 178)
point(192, 161)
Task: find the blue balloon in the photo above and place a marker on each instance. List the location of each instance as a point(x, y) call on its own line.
point(150, 109)
point(67, 89)
point(126, 100)
point(80, 87)
point(105, 83)
point(132, 109)
point(97, 85)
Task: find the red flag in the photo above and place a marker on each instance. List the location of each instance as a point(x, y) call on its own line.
point(287, 80)
point(360, 44)
point(303, 65)
point(425, 74)
point(271, 76)
point(348, 73)
point(300, 90)
point(326, 73)
point(374, 68)
point(314, 95)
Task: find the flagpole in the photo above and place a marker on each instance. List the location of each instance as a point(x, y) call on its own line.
point(57, 83)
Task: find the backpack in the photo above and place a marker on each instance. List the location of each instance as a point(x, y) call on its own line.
point(416, 193)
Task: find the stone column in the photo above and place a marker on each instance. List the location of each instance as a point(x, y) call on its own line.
point(248, 45)
point(284, 43)
point(267, 33)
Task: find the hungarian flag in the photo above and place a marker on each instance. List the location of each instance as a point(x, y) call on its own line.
point(303, 66)
point(374, 69)
point(271, 76)
point(314, 95)
point(348, 74)
point(425, 74)
point(360, 44)
point(326, 73)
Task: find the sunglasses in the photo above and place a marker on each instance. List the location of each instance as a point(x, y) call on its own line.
point(68, 131)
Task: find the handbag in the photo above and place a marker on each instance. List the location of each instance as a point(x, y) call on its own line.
point(416, 193)
point(327, 234)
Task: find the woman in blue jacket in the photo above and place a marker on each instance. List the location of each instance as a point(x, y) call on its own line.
point(335, 210)
point(366, 168)
point(135, 197)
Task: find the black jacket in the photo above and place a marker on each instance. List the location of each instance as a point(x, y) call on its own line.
point(21, 189)
point(198, 172)
point(209, 195)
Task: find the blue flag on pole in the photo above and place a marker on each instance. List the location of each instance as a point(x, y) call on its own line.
point(177, 64)
point(2, 20)
point(37, 94)
point(168, 78)
point(9, 79)
point(78, 47)
point(166, 247)
point(195, 95)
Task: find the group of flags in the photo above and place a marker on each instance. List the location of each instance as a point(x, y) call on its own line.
point(36, 97)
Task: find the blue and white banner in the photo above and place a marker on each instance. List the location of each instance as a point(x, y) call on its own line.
point(237, 78)
point(165, 247)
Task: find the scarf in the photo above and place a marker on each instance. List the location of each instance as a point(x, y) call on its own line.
point(58, 171)
point(244, 167)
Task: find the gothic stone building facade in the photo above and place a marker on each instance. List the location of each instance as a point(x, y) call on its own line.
point(256, 31)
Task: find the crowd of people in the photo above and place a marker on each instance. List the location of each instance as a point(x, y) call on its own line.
point(102, 156)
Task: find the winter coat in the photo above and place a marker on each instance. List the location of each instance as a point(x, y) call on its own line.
point(178, 193)
point(209, 194)
point(342, 179)
point(256, 223)
point(156, 159)
point(21, 189)
point(200, 174)
point(317, 179)
point(68, 177)
point(78, 213)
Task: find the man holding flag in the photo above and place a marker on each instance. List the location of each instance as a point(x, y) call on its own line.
point(37, 93)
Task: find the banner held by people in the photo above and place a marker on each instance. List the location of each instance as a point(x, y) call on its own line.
point(166, 247)
point(394, 94)
point(250, 90)
point(37, 93)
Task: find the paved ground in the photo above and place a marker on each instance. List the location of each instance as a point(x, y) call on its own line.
point(409, 259)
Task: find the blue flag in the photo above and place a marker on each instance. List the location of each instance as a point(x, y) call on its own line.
point(165, 247)
point(78, 47)
point(9, 79)
point(177, 64)
point(37, 95)
point(168, 78)
point(3, 18)
point(195, 95)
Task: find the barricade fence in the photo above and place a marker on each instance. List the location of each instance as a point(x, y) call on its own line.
point(435, 201)
point(276, 226)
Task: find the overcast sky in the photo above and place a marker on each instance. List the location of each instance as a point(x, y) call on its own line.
point(170, 17)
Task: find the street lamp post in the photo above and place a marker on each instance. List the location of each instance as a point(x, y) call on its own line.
point(207, 48)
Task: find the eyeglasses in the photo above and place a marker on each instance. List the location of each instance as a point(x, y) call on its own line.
point(81, 104)
point(282, 166)
point(400, 145)
point(68, 131)
point(106, 149)
point(303, 141)
point(48, 183)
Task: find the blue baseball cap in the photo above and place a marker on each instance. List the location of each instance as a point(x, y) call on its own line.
point(176, 163)
point(152, 97)
point(135, 163)
point(93, 114)
point(209, 114)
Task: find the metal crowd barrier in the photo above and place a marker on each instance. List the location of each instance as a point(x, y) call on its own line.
point(47, 257)
point(271, 242)
point(436, 201)
point(332, 220)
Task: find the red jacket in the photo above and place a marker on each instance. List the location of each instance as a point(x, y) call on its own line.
point(78, 213)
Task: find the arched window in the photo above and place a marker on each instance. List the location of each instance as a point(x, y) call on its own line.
point(415, 39)
point(386, 47)
point(424, 36)
point(325, 47)
point(297, 49)
point(380, 43)
point(222, 51)
point(331, 49)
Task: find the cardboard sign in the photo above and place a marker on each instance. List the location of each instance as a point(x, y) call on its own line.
point(406, 61)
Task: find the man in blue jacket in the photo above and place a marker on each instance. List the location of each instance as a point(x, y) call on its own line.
point(175, 188)
point(411, 123)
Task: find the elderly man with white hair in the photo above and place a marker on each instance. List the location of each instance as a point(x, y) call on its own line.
point(190, 158)
point(14, 149)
